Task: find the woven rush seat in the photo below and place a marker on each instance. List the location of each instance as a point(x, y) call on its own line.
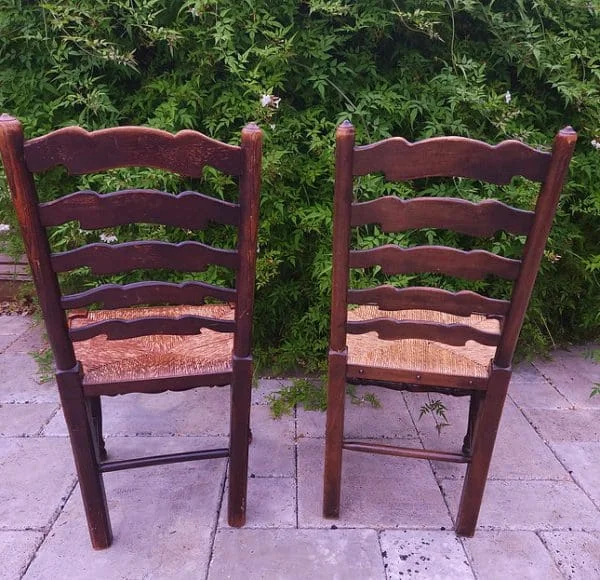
point(154, 356)
point(471, 360)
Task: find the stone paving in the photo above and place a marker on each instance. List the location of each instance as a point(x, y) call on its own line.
point(540, 517)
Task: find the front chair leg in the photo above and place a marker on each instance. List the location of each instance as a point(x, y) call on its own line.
point(334, 434)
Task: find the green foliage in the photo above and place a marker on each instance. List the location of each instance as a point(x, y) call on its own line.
point(45, 361)
point(488, 70)
point(437, 409)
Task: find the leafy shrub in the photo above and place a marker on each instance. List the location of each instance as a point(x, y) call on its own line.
point(488, 70)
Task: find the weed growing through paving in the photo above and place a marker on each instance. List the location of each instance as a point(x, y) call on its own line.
point(45, 362)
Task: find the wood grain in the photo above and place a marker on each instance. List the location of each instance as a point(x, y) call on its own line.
point(451, 157)
point(81, 151)
point(189, 209)
point(112, 259)
point(475, 219)
point(472, 265)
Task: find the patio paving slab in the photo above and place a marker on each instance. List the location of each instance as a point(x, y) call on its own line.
point(576, 554)
point(424, 554)
point(38, 475)
point(19, 381)
point(530, 505)
point(18, 548)
point(583, 462)
point(377, 491)
point(500, 555)
point(566, 425)
point(296, 555)
point(26, 419)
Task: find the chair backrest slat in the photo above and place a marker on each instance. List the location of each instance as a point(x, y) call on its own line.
point(476, 219)
point(114, 259)
point(189, 209)
point(453, 334)
point(112, 296)
point(461, 303)
point(472, 265)
point(117, 329)
point(451, 157)
point(81, 151)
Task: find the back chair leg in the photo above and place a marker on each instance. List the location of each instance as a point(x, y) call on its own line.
point(96, 417)
point(84, 451)
point(240, 435)
point(334, 434)
point(484, 437)
point(474, 406)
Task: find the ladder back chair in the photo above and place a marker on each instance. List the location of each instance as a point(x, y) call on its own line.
point(149, 337)
point(423, 338)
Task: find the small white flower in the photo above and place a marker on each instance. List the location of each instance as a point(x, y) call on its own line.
point(595, 144)
point(108, 238)
point(507, 97)
point(270, 101)
point(272, 127)
point(4, 228)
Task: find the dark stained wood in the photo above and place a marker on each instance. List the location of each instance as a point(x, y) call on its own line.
point(451, 157)
point(476, 219)
point(119, 329)
point(186, 153)
point(112, 296)
point(454, 334)
point(472, 265)
point(396, 451)
point(189, 209)
point(108, 466)
point(463, 303)
point(112, 259)
point(80, 151)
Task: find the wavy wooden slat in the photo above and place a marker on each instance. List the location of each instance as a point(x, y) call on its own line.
point(107, 259)
point(463, 303)
point(81, 151)
point(117, 329)
point(473, 265)
point(112, 296)
point(452, 334)
point(476, 219)
point(399, 159)
point(189, 209)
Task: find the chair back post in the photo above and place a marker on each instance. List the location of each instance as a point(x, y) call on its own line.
point(22, 186)
point(251, 144)
point(342, 207)
point(547, 202)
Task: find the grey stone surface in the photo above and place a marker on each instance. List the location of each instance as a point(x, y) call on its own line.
point(424, 554)
point(378, 491)
point(15, 324)
point(519, 452)
point(296, 554)
point(577, 554)
point(18, 549)
point(500, 555)
point(19, 420)
point(391, 420)
point(198, 412)
point(37, 477)
point(266, 388)
point(19, 381)
point(572, 376)
point(539, 394)
point(566, 425)
point(583, 462)
point(272, 450)
point(271, 503)
point(530, 505)
point(30, 341)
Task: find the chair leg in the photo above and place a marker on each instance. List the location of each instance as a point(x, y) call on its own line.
point(240, 434)
point(484, 438)
point(474, 406)
point(334, 434)
point(84, 452)
point(96, 417)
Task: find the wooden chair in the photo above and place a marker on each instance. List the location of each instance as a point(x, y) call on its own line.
point(429, 339)
point(181, 342)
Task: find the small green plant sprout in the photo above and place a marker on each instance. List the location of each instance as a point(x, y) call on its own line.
point(364, 399)
point(437, 410)
point(45, 362)
point(595, 390)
